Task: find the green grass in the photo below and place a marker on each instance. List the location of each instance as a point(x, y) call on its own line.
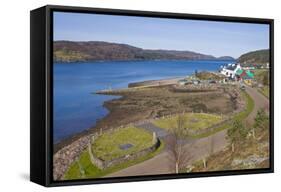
point(239, 116)
point(107, 146)
point(261, 74)
point(222, 160)
point(193, 121)
point(91, 171)
point(250, 104)
point(207, 134)
point(264, 91)
point(204, 75)
point(257, 72)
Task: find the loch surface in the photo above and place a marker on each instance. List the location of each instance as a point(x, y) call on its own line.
point(77, 108)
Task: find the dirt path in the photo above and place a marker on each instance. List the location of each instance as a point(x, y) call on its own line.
point(197, 149)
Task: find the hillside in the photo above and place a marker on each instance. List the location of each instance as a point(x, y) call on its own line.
point(69, 51)
point(259, 57)
point(226, 58)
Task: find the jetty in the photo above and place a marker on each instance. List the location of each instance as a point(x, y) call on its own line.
point(141, 85)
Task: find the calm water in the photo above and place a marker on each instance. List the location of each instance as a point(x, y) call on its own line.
point(76, 108)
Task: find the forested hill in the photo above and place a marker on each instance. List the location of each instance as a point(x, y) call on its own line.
point(255, 57)
point(70, 51)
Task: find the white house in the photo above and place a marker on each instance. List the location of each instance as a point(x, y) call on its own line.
point(230, 69)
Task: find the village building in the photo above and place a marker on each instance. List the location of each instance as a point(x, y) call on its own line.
point(246, 76)
point(230, 70)
point(237, 73)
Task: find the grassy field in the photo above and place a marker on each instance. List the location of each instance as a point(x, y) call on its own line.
point(83, 168)
point(262, 76)
point(204, 75)
point(252, 153)
point(250, 104)
point(265, 91)
point(239, 116)
point(107, 146)
point(193, 121)
point(197, 121)
point(259, 73)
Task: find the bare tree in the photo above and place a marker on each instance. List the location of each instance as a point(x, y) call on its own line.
point(176, 145)
point(211, 145)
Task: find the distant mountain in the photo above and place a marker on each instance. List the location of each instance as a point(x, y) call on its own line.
point(226, 58)
point(259, 57)
point(70, 51)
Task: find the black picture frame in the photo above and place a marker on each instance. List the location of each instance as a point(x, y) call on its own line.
point(41, 59)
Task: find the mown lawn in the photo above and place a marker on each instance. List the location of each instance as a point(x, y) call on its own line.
point(193, 121)
point(84, 169)
point(107, 146)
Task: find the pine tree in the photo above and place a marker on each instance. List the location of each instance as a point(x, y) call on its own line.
point(261, 120)
point(236, 134)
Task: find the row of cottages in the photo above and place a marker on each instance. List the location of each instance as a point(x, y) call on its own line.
point(236, 72)
point(245, 75)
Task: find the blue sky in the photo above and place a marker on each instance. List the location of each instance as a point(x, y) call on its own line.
point(208, 37)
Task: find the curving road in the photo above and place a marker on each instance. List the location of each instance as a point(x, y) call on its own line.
point(197, 148)
point(260, 102)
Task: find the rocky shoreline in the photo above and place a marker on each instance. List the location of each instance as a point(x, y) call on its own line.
point(67, 155)
point(137, 105)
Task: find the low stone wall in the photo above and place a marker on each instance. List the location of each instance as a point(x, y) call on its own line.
point(67, 155)
point(195, 88)
point(102, 164)
point(95, 160)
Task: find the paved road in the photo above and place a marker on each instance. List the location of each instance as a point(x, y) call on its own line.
point(161, 164)
point(197, 149)
point(160, 133)
point(260, 102)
